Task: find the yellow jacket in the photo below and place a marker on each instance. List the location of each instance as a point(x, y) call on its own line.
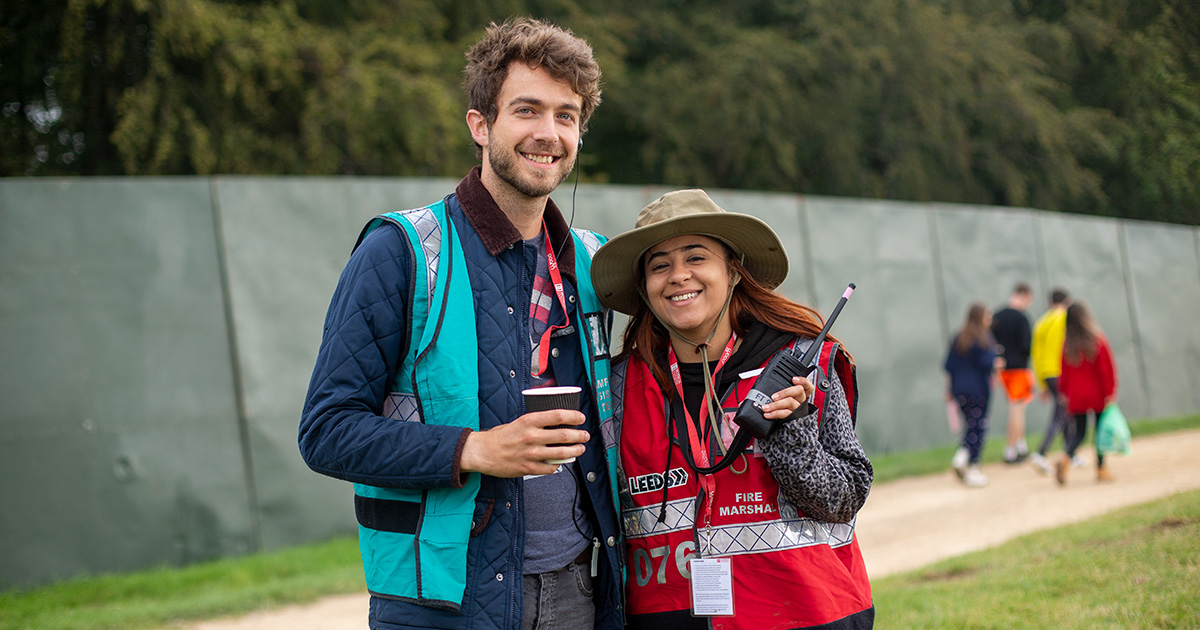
point(1048, 335)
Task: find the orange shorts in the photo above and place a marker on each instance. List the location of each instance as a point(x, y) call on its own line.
point(1018, 384)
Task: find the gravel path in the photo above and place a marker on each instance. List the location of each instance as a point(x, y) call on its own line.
point(909, 523)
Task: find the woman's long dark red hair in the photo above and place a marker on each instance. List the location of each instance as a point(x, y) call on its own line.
point(646, 338)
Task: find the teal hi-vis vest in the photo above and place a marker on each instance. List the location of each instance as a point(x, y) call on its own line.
point(426, 562)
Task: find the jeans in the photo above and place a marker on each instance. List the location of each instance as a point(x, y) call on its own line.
point(559, 599)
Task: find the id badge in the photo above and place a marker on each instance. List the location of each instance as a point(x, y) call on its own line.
point(712, 587)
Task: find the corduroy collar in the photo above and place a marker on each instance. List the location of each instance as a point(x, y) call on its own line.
point(496, 230)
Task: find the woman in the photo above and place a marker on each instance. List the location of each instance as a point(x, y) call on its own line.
point(970, 363)
point(756, 534)
point(1087, 384)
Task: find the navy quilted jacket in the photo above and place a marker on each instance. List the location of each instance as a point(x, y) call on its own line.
point(343, 435)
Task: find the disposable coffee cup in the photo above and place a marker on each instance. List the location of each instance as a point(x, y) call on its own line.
point(547, 398)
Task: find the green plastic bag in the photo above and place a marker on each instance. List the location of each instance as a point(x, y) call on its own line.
point(1112, 436)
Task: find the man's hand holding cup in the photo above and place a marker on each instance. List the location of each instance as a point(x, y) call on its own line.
point(532, 444)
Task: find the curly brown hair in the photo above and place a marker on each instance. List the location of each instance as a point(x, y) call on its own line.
point(535, 43)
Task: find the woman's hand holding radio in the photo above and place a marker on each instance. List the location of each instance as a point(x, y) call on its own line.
point(788, 400)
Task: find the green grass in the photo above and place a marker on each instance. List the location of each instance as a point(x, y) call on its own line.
point(892, 466)
point(153, 599)
point(1135, 568)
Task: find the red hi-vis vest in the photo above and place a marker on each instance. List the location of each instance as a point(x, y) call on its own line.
point(789, 570)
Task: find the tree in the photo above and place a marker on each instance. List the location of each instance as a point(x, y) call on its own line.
point(1077, 105)
point(1144, 68)
point(63, 69)
point(901, 100)
point(203, 86)
point(1139, 64)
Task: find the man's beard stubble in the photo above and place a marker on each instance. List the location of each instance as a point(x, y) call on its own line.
point(504, 163)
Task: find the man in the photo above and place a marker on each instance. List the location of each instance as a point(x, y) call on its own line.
point(1010, 327)
point(1048, 335)
point(443, 315)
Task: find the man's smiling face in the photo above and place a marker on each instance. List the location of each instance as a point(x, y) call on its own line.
point(532, 144)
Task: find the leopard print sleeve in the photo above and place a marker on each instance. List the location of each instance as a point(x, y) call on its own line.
point(821, 468)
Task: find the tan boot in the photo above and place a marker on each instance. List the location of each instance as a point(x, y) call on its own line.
point(1104, 476)
point(1060, 469)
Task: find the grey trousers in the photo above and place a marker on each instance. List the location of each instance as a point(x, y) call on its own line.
point(1058, 419)
point(559, 599)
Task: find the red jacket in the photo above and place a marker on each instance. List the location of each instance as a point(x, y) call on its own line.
point(1092, 382)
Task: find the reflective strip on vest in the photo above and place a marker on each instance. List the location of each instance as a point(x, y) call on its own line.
point(590, 241)
point(730, 540)
point(425, 236)
point(773, 535)
point(401, 406)
point(643, 521)
point(610, 428)
point(430, 234)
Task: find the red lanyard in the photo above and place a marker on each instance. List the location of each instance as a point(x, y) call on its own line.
point(556, 280)
point(699, 446)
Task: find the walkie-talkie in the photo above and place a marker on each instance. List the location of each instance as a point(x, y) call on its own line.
point(778, 376)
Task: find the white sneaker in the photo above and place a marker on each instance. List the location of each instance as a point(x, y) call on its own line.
point(974, 478)
point(1079, 461)
point(1016, 454)
point(1041, 464)
point(959, 462)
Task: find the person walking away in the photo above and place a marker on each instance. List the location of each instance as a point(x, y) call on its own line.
point(970, 363)
point(1010, 328)
point(1046, 355)
point(769, 520)
point(1088, 383)
point(442, 317)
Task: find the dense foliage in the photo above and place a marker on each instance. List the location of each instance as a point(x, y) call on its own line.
point(1086, 106)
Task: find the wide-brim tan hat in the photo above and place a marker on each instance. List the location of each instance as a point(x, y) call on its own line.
point(615, 266)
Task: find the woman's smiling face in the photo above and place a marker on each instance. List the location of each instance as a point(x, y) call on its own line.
point(687, 282)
